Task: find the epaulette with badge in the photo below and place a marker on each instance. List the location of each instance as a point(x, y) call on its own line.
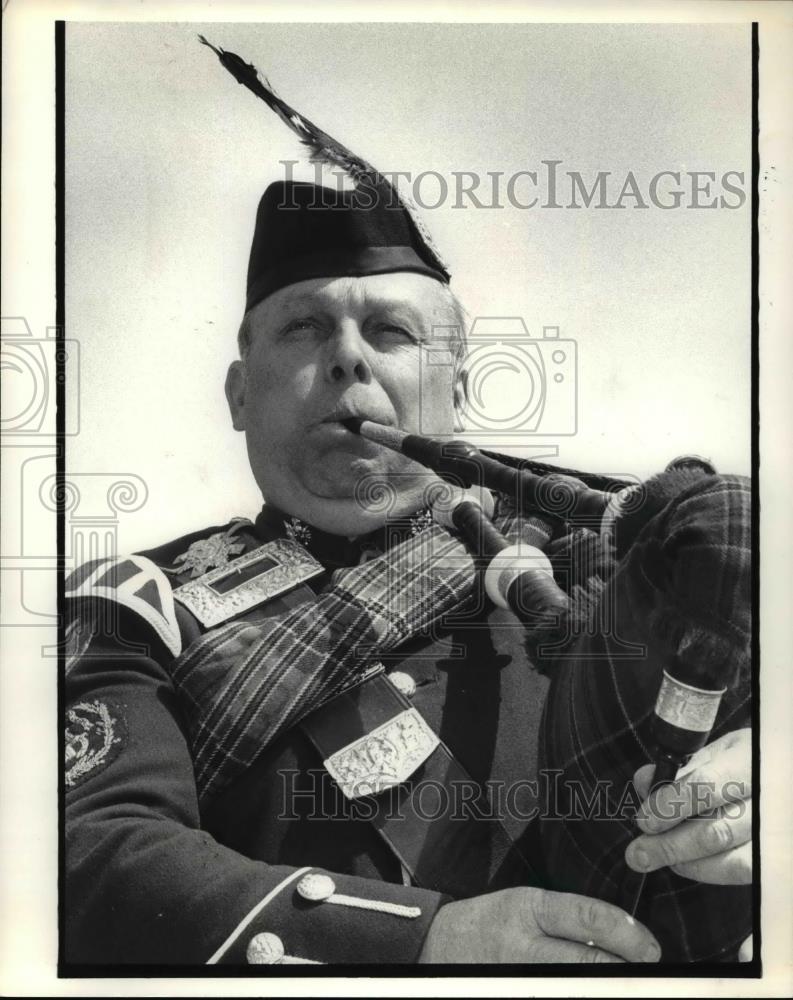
point(217, 574)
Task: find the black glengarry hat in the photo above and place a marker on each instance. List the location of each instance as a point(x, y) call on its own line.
point(306, 231)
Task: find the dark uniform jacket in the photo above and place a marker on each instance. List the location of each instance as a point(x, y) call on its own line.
point(197, 801)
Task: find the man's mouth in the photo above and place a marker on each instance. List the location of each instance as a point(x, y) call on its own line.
point(351, 419)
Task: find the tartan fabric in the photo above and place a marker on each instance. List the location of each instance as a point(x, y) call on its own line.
point(683, 589)
point(243, 684)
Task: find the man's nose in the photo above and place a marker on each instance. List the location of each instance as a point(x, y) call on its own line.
point(347, 360)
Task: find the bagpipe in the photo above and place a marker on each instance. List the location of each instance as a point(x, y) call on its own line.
point(647, 646)
point(649, 655)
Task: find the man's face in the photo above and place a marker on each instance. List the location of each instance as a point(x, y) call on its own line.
point(330, 348)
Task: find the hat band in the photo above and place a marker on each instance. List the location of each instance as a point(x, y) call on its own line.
point(339, 264)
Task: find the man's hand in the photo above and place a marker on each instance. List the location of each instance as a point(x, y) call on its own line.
point(700, 825)
point(534, 925)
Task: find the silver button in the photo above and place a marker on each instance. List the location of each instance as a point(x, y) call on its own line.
point(316, 887)
point(403, 682)
point(265, 949)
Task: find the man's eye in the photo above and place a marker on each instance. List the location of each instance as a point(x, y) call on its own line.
point(394, 332)
point(300, 326)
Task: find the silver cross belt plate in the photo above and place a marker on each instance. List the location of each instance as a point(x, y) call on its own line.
point(383, 758)
point(252, 579)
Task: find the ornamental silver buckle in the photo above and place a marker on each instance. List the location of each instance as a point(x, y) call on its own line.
point(383, 758)
point(250, 580)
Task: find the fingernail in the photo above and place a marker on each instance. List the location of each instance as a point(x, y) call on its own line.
point(653, 953)
point(639, 858)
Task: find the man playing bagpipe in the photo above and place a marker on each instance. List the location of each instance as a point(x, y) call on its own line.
point(320, 736)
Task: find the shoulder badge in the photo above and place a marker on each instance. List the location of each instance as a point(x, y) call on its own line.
point(136, 583)
point(95, 734)
point(251, 580)
point(297, 530)
point(210, 553)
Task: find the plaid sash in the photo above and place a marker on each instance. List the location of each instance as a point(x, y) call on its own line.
point(244, 683)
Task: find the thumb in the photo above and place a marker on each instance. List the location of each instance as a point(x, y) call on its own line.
point(643, 779)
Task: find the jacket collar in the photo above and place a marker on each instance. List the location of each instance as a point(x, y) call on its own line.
point(335, 551)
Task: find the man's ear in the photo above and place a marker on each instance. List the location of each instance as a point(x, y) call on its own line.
point(235, 394)
point(460, 398)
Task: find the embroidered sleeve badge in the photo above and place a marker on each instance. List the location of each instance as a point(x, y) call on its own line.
point(95, 735)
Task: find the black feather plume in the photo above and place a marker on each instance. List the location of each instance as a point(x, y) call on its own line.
point(324, 148)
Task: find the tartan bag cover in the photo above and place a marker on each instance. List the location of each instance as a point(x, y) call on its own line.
point(683, 589)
